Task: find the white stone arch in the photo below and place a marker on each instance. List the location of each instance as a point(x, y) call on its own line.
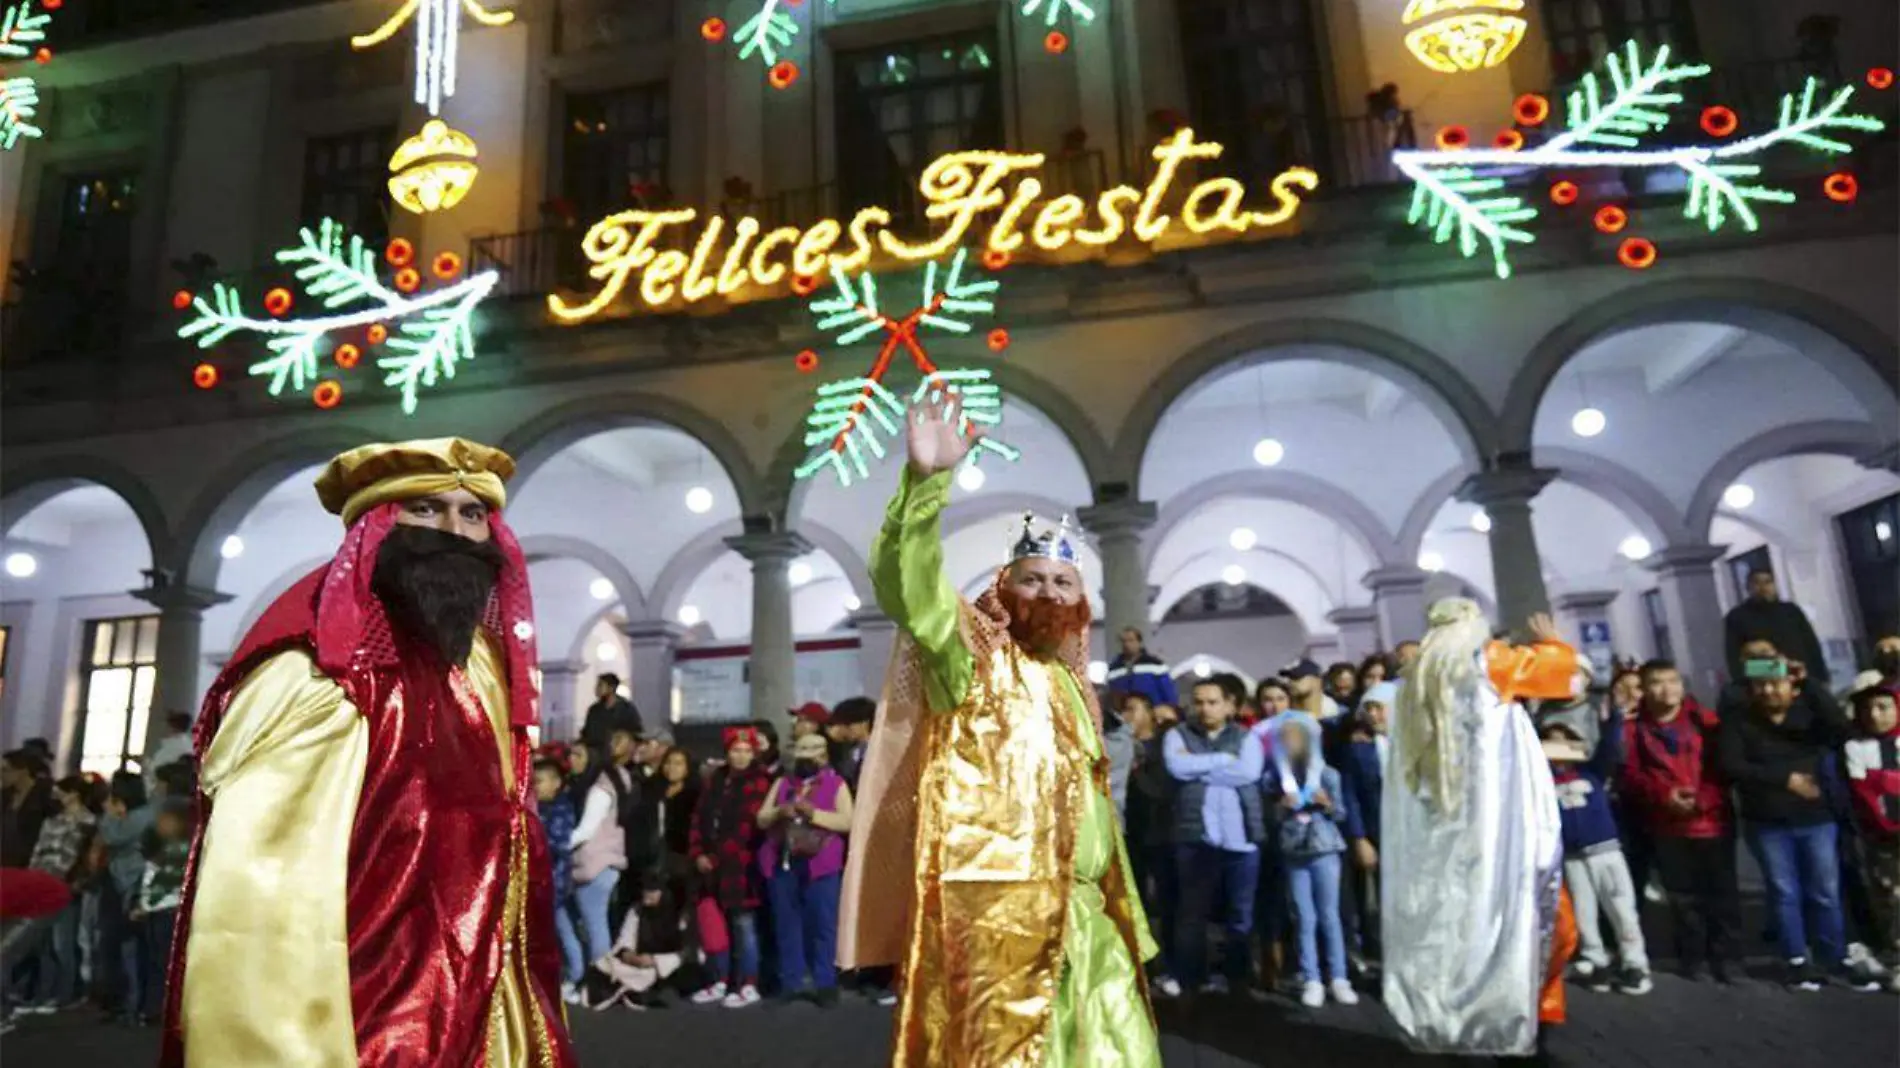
point(1306, 596)
point(1847, 438)
point(1316, 494)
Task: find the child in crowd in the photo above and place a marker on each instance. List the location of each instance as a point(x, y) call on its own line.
point(1872, 762)
point(61, 851)
point(1670, 784)
point(1362, 780)
point(555, 807)
point(1594, 869)
point(724, 841)
point(160, 890)
point(650, 950)
point(1311, 807)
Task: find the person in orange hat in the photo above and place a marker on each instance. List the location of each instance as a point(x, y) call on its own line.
point(366, 886)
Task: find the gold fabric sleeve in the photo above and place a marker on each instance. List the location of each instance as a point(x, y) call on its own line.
point(488, 676)
point(267, 968)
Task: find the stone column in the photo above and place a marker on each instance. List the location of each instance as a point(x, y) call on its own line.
point(1117, 527)
point(877, 633)
point(771, 672)
point(1358, 630)
point(1584, 618)
point(1398, 603)
point(651, 644)
point(1686, 577)
point(181, 612)
point(561, 705)
point(1517, 572)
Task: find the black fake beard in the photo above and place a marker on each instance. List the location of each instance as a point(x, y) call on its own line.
point(436, 586)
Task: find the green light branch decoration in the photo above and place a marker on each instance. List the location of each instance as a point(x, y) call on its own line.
point(1053, 10)
point(22, 35)
point(1462, 193)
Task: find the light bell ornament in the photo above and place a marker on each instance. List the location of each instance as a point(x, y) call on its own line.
point(434, 169)
point(1459, 36)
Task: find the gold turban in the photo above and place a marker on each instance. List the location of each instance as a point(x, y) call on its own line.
point(370, 475)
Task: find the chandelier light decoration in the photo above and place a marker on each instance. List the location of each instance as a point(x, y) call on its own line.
point(422, 335)
point(438, 25)
point(22, 36)
point(1459, 36)
point(850, 420)
point(433, 170)
point(1473, 195)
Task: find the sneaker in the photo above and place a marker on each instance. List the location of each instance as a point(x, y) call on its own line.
point(1653, 893)
point(886, 998)
point(1803, 976)
point(1216, 985)
point(1861, 961)
point(743, 997)
point(1167, 987)
point(826, 997)
point(1312, 995)
point(1634, 981)
point(710, 995)
point(1344, 993)
point(570, 993)
point(1582, 971)
point(1602, 980)
point(38, 1008)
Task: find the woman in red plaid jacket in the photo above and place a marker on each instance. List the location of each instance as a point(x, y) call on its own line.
point(725, 837)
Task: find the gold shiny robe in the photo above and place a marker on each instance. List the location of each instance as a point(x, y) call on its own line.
point(267, 969)
point(1020, 938)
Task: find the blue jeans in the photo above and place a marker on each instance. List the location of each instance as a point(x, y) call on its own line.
point(805, 924)
point(1205, 871)
point(743, 928)
point(58, 979)
point(1313, 883)
point(590, 905)
point(573, 957)
point(155, 954)
point(1804, 887)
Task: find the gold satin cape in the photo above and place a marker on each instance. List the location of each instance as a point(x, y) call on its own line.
point(267, 967)
point(985, 857)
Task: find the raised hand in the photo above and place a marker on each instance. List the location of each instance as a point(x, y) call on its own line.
point(931, 430)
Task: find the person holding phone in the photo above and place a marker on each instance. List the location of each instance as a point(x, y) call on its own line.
point(1774, 755)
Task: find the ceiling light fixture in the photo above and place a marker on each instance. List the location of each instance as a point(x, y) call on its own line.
point(1588, 422)
point(1243, 539)
point(1635, 547)
point(602, 589)
point(971, 478)
point(689, 616)
point(799, 573)
point(1267, 452)
point(1233, 574)
point(606, 652)
point(1481, 521)
point(1431, 561)
point(22, 565)
point(699, 500)
point(232, 548)
point(1739, 496)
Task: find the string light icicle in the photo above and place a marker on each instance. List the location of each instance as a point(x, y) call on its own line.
point(438, 28)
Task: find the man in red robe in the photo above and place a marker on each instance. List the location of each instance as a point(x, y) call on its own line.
point(364, 886)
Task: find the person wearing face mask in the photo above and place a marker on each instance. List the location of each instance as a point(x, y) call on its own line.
point(806, 817)
point(985, 856)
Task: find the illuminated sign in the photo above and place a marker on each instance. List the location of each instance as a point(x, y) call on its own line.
point(1455, 36)
point(957, 188)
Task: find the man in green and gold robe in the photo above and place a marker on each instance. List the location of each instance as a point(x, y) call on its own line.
point(986, 862)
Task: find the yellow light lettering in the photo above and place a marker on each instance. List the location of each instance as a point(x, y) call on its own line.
point(1056, 221)
point(732, 273)
point(1227, 216)
point(765, 273)
point(696, 285)
point(1112, 222)
point(656, 285)
point(1168, 154)
point(808, 259)
point(1286, 199)
point(956, 190)
point(1003, 236)
point(862, 243)
point(616, 252)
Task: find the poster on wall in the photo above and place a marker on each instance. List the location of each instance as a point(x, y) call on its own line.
point(713, 688)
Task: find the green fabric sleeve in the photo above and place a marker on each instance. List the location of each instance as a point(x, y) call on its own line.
point(907, 573)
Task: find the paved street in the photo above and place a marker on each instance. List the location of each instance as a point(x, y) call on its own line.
point(1679, 1025)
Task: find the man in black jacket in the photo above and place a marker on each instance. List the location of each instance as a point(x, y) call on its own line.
point(1766, 616)
point(1774, 755)
point(609, 712)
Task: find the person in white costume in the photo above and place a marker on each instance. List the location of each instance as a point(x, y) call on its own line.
point(1472, 853)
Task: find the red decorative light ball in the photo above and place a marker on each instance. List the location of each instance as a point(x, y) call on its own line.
point(998, 339)
point(1841, 187)
point(1531, 109)
point(1453, 139)
point(806, 361)
point(995, 259)
point(1564, 193)
point(408, 279)
point(782, 74)
point(347, 355)
point(804, 285)
point(328, 394)
point(378, 333)
point(1637, 253)
point(1055, 43)
point(713, 29)
point(181, 299)
point(399, 253)
point(44, 55)
point(446, 266)
point(1880, 78)
point(52, 5)
point(1611, 219)
point(1508, 140)
point(277, 301)
point(204, 376)
point(1719, 121)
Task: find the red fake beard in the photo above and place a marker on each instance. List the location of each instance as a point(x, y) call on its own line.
point(1041, 625)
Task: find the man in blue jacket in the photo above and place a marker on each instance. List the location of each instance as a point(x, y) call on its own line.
point(1136, 670)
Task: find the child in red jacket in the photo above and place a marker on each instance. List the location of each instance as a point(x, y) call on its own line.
point(1670, 783)
point(1872, 760)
